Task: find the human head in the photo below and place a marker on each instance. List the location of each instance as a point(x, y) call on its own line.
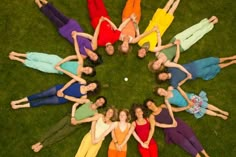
point(142, 52)
point(93, 87)
point(124, 47)
point(111, 113)
point(163, 76)
point(149, 103)
point(101, 101)
point(138, 110)
point(160, 91)
point(109, 49)
point(124, 115)
point(97, 60)
point(89, 71)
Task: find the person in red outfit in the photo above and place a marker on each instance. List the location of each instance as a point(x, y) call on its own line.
point(108, 33)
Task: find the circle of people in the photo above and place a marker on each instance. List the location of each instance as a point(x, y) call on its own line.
point(78, 89)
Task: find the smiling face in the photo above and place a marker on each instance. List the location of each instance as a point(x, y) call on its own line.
point(100, 102)
point(139, 113)
point(161, 92)
point(93, 56)
point(123, 116)
point(163, 76)
point(109, 113)
point(91, 86)
point(150, 105)
point(156, 65)
point(87, 70)
point(142, 53)
point(124, 47)
point(109, 49)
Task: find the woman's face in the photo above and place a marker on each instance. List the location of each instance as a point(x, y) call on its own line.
point(92, 86)
point(88, 70)
point(139, 113)
point(125, 47)
point(99, 102)
point(150, 105)
point(163, 76)
point(93, 56)
point(109, 49)
point(122, 116)
point(141, 53)
point(161, 91)
point(109, 113)
point(156, 65)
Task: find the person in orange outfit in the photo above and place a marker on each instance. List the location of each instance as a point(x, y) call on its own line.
point(130, 33)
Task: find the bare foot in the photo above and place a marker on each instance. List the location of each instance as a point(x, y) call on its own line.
point(35, 145)
point(44, 1)
point(225, 113)
point(11, 57)
point(215, 21)
point(13, 105)
point(38, 148)
point(38, 3)
point(212, 18)
point(13, 53)
point(223, 117)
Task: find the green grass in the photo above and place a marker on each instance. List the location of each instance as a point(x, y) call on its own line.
point(23, 28)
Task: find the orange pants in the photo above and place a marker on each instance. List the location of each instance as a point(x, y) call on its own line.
point(132, 6)
point(116, 153)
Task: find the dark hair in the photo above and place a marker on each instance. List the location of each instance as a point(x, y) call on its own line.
point(133, 109)
point(105, 101)
point(155, 90)
point(98, 61)
point(146, 101)
point(157, 76)
point(93, 72)
point(126, 112)
point(96, 90)
point(125, 52)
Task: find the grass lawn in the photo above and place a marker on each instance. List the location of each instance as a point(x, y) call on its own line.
point(24, 28)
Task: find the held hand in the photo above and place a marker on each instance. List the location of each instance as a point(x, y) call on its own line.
point(101, 19)
point(118, 147)
point(190, 104)
point(189, 76)
point(60, 93)
point(144, 145)
point(73, 34)
point(133, 17)
point(73, 121)
point(174, 123)
point(177, 42)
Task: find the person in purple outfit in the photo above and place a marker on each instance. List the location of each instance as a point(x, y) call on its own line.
point(175, 130)
point(65, 26)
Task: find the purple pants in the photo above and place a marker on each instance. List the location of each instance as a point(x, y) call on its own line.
point(57, 18)
point(183, 136)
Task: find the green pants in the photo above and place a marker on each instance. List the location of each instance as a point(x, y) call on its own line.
point(58, 132)
point(194, 33)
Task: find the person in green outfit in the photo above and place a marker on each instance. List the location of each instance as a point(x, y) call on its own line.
point(70, 123)
point(168, 55)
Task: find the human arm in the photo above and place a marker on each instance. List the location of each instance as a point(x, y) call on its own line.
point(111, 23)
point(180, 67)
point(60, 92)
point(126, 21)
point(177, 54)
point(151, 131)
point(190, 103)
point(86, 120)
point(94, 41)
point(80, 101)
point(135, 40)
point(131, 130)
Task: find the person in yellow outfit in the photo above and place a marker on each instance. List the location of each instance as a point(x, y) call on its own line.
point(162, 18)
point(101, 126)
point(130, 33)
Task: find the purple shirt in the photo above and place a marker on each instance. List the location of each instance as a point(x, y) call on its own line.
point(66, 30)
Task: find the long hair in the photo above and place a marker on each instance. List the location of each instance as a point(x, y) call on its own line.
point(133, 109)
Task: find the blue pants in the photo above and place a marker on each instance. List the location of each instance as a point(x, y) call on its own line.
point(46, 97)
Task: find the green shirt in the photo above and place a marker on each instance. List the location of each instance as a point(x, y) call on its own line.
point(84, 111)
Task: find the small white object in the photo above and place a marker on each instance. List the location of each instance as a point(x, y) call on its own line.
point(126, 79)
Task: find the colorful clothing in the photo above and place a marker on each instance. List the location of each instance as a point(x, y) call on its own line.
point(63, 128)
point(188, 37)
point(200, 102)
point(181, 135)
point(50, 96)
point(120, 136)
point(66, 26)
point(106, 34)
point(206, 69)
point(163, 20)
point(132, 6)
point(87, 149)
point(47, 62)
point(143, 132)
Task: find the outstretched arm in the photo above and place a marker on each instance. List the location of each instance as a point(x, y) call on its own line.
point(135, 40)
point(180, 67)
point(111, 23)
point(94, 41)
point(124, 23)
point(190, 103)
point(177, 54)
point(81, 101)
point(138, 138)
point(89, 119)
point(131, 130)
point(151, 132)
point(105, 133)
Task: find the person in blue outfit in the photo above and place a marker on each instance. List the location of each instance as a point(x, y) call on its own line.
point(199, 105)
point(58, 94)
point(206, 69)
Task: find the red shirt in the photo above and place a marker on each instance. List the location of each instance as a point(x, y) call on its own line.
point(107, 34)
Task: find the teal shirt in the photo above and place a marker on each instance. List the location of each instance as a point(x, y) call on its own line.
point(70, 66)
point(178, 99)
point(84, 111)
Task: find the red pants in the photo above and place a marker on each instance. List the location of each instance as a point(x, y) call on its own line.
point(96, 10)
point(152, 151)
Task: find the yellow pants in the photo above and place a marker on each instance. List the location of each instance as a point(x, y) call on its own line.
point(86, 148)
point(163, 21)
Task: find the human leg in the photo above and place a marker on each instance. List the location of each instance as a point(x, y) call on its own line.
point(223, 59)
point(212, 113)
point(93, 149)
point(214, 108)
point(15, 103)
point(174, 7)
point(144, 152)
point(101, 8)
point(153, 149)
point(223, 65)
point(84, 146)
point(132, 6)
point(11, 57)
point(168, 5)
point(58, 14)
